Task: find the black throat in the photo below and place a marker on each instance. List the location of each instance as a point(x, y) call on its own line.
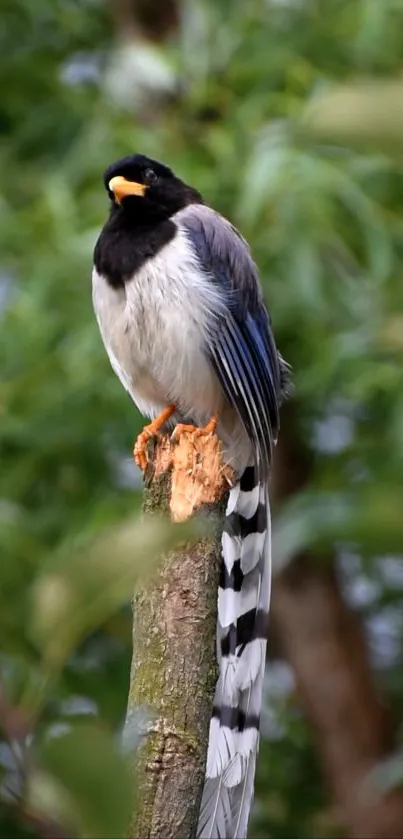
point(122, 248)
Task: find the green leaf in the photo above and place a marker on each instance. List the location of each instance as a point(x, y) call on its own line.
point(77, 597)
point(84, 782)
point(366, 114)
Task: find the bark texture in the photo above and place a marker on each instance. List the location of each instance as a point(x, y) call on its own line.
point(174, 628)
point(323, 640)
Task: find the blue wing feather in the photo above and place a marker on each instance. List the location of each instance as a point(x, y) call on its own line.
point(237, 379)
point(240, 344)
point(247, 388)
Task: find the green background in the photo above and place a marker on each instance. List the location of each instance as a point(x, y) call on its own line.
point(288, 117)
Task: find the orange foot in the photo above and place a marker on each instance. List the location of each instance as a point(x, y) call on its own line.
point(194, 430)
point(140, 448)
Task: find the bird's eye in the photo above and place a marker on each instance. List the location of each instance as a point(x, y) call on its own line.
point(150, 177)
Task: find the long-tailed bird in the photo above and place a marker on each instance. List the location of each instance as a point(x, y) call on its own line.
point(181, 313)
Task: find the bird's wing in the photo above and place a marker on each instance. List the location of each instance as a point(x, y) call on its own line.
point(239, 341)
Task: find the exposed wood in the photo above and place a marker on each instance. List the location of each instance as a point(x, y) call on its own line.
point(174, 629)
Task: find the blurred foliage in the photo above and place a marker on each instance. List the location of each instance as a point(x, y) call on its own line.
point(288, 116)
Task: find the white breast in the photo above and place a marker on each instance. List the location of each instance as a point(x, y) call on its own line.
point(153, 330)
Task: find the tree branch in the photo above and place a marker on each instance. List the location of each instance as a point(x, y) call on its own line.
point(174, 629)
point(152, 19)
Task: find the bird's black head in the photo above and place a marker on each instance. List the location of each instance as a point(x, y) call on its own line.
point(146, 191)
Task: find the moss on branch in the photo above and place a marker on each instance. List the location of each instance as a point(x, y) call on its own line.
point(174, 627)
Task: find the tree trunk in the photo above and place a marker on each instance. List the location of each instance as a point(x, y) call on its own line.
point(323, 640)
point(174, 629)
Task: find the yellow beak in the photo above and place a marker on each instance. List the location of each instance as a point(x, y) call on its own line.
point(121, 187)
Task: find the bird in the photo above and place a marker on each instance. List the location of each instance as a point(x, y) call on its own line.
point(180, 309)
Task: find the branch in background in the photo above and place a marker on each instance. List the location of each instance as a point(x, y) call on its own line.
point(324, 643)
point(151, 19)
point(174, 631)
point(14, 722)
point(139, 76)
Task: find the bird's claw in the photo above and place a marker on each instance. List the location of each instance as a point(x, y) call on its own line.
point(140, 447)
point(149, 431)
point(194, 430)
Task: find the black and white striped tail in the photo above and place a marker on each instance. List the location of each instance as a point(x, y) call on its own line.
point(243, 604)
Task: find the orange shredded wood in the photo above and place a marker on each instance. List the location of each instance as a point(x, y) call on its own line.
point(199, 475)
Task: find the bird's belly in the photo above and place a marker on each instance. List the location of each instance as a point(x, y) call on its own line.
point(121, 338)
point(155, 345)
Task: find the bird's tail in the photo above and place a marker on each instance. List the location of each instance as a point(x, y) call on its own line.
point(243, 604)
